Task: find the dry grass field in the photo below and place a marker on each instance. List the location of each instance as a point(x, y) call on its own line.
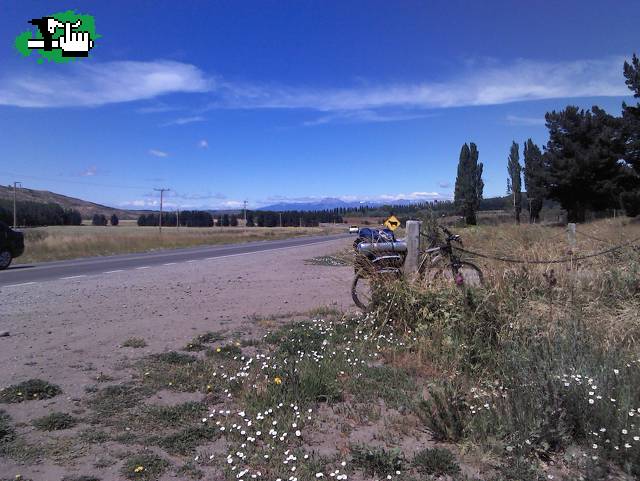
point(68, 242)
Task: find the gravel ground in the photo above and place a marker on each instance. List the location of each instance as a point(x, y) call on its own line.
point(69, 332)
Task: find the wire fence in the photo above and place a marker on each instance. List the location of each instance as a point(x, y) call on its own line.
point(562, 260)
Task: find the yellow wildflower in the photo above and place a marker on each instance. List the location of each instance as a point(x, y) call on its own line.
point(277, 380)
point(138, 469)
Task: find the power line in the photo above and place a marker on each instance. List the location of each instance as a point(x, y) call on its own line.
point(79, 182)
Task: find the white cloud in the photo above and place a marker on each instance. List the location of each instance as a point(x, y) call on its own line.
point(518, 120)
point(203, 144)
point(372, 116)
point(444, 184)
point(89, 172)
point(158, 153)
point(490, 84)
point(185, 120)
point(87, 84)
point(90, 84)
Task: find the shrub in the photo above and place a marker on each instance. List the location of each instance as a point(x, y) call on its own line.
point(55, 422)
point(7, 433)
point(33, 389)
point(99, 219)
point(436, 461)
point(376, 461)
point(144, 466)
point(135, 342)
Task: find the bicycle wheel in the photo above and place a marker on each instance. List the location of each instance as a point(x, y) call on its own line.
point(365, 285)
point(468, 275)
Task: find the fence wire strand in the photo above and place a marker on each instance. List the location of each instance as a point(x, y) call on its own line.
point(550, 261)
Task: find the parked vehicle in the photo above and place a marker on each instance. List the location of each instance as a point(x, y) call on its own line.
point(353, 229)
point(11, 245)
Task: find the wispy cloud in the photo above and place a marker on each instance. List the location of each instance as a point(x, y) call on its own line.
point(94, 84)
point(444, 184)
point(476, 85)
point(410, 196)
point(518, 120)
point(369, 116)
point(203, 144)
point(158, 153)
point(89, 172)
point(185, 120)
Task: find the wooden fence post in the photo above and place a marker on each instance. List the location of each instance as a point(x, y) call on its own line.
point(571, 234)
point(413, 248)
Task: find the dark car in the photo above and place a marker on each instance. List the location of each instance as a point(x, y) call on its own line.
point(11, 245)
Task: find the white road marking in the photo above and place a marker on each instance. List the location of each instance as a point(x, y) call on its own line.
point(73, 277)
point(170, 264)
point(143, 267)
point(113, 272)
point(21, 284)
point(192, 260)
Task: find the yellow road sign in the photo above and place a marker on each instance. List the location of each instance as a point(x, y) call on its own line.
point(392, 222)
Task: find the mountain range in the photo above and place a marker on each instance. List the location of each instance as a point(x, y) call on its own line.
point(329, 203)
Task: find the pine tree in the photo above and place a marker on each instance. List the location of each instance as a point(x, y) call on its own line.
point(469, 184)
point(515, 180)
point(534, 181)
point(114, 219)
point(581, 160)
point(630, 197)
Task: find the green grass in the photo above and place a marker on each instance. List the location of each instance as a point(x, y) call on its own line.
point(55, 422)
point(185, 441)
point(393, 385)
point(144, 467)
point(31, 390)
point(376, 461)
point(7, 433)
point(113, 400)
point(436, 461)
point(174, 358)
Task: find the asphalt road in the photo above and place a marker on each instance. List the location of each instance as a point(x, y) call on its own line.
point(23, 274)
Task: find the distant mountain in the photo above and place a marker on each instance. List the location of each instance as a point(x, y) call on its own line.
point(86, 209)
point(332, 203)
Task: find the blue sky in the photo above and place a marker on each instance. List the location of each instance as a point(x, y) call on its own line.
point(292, 100)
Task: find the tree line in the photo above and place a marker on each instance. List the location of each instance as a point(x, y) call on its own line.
point(34, 214)
point(591, 162)
point(259, 218)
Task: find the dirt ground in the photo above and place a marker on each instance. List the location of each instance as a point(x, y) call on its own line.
point(70, 332)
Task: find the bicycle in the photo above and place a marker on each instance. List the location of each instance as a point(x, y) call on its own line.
point(461, 272)
point(378, 261)
point(378, 264)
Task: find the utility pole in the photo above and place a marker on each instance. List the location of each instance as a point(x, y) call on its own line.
point(245, 212)
point(162, 191)
point(15, 217)
point(280, 218)
point(177, 217)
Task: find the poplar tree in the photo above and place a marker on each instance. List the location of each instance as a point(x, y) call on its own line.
point(515, 180)
point(534, 182)
point(469, 184)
